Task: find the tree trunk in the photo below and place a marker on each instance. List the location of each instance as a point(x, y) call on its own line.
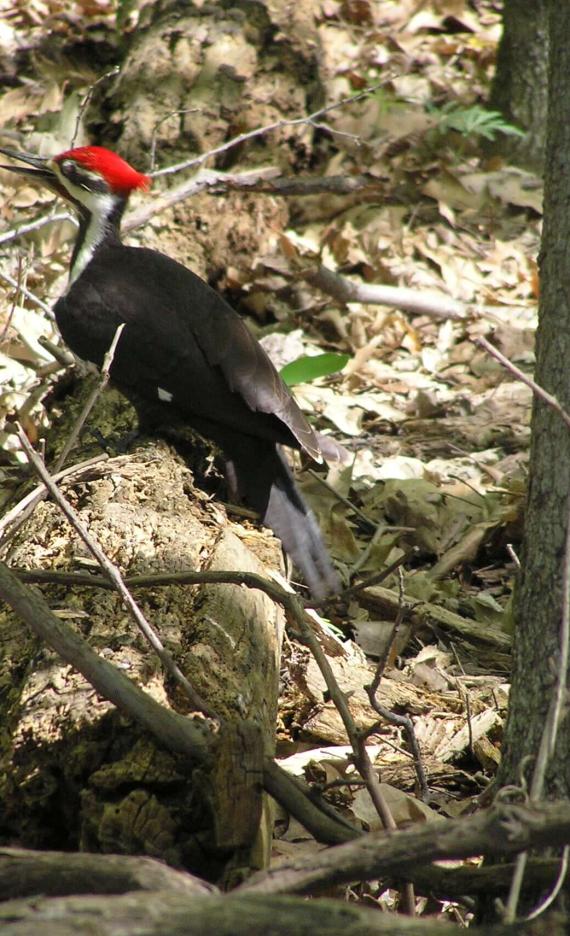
point(540, 595)
point(519, 88)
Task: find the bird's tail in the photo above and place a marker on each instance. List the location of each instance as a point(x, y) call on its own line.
point(265, 483)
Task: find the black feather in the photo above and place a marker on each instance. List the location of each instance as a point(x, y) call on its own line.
point(183, 338)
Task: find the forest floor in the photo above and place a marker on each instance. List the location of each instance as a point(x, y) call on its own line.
point(437, 428)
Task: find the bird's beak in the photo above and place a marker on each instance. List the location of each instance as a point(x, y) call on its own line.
point(41, 171)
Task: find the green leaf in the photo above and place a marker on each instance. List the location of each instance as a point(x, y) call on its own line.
point(305, 368)
point(475, 120)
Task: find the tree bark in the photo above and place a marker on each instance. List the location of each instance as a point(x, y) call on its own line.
point(26, 873)
point(155, 913)
point(519, 87)
point(540, 596)
point(75, 774)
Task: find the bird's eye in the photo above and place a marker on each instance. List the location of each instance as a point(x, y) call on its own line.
point(67, 166)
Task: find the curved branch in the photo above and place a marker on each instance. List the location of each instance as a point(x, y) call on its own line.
point(191, 738)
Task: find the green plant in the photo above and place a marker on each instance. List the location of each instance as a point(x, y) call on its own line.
point(475, 120)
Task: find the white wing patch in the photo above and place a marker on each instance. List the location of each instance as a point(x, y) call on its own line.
point(164, 395)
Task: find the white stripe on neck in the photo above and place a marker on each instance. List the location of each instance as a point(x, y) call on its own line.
point(100, 207)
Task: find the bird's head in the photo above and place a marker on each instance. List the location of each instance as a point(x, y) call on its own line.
point(83, 175)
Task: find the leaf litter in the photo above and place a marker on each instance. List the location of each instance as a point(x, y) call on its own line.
point(438, 432)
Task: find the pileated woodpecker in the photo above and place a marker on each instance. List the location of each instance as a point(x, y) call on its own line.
point(184, 355)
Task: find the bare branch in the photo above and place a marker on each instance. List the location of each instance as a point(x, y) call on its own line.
point(22, 229)
point(501, 830)
point(189, 737)
point(538, 391)
point(308, 120)
point(113, 574)
point(206, 179)
point(190, 577)
point(418, 302)
point(12, 520)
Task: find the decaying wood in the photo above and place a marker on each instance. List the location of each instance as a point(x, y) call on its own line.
point(56, 874)
point(172, 732)
point(115, 790)
point(442, 739)
point(178, 734)
point(24, 873)
point(487, 879)
point(500, 830)
point(158, 912)
point(492, 644)
point(188, 67)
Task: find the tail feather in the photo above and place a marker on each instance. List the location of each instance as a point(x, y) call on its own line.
point(265, 482)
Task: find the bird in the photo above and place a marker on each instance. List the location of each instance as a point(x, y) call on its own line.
point(184, 355)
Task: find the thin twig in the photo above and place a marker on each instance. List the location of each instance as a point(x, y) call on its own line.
point(538, 391)
point(362, 759)
point(366, 521)
point(113, 574)
point(27, 293)
point(14, 302)
point(357, 739)
point(206, 179)
point(269, 128)
point(382, 662)
point(555, 890)
point(392, 718)
point(12, 520)
point(189, 737)
point(158, 124)
point(511, 551)
point(353, 137)
point(166, 579)
point(85, 102)
point(365, 554)
point(90, 402)
point(463, 693)
point(375, 578)
point(22, 229)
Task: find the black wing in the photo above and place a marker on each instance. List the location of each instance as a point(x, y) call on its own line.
point(182, 344)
